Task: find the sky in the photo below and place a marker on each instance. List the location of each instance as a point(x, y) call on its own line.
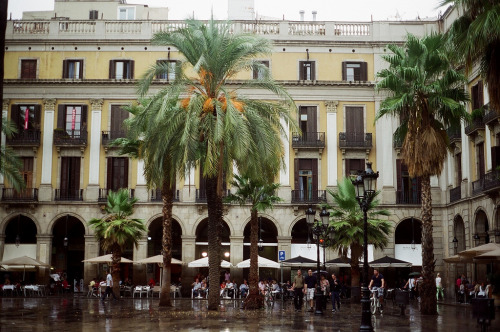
point(328, 10)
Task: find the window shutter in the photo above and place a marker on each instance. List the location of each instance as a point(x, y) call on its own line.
point(315, 177)
point(495, 156)
point(131, 75)
point(81, 69)
point(111, 69)
point(109, 174)
point(84, 114)
point(312, 119)
point(364, 71)
point(37, 116)
point(313, 70)
point(399, 179)
point(124, 181)
point(65, 69)
point(296, 173)
point(301, 70)
point(61, 115)
point(480, 93)
point(64, 176)
point(344, 71)
point(14, 116)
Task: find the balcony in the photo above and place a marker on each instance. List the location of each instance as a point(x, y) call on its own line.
point(69, 138)
point(201, 195)
point(26, 195)
point(355, 141)
point(474, 126)
point(454, 135)
point(308, 140)
point(103, 194)
point(25, 138)
point(308, 197)
point(109, 136)
point(489, 184)
point(491, 117)
point(455, 194)
point(68, 195)
point(156, 195)
point(408, 197)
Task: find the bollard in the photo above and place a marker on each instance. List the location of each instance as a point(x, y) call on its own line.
point(402, 298)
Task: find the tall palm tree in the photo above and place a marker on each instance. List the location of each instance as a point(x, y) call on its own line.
point(222, 129)
point(261, 196)
point(428, 96)
point(348, 225)
point(475, 38)
point(116, 231)
point(10, 164)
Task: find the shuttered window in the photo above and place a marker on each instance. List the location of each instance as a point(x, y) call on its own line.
point(28, 69)
point(118, 115)
point(70, 176)
point(169, 70)
point(117, 173)
point(121, 69)
point(26, 117)
point(259, 73)
point(307, 70)
point(73, 69)
point(308, 119)
point(477, 95)
point(354, 71)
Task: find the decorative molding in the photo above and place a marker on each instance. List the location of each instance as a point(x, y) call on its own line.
point(96, 104)
point(49, 104)
point(5, 104)
point(331, 106)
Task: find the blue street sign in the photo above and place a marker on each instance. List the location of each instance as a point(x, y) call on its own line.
point(281, 255)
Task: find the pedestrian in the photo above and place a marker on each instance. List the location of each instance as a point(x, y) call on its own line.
point(109, 287)
point(298, 288)
point(335, 292)
point(439, 287)
point(310, 283)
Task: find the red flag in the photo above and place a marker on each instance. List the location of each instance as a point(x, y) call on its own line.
point(73, 119)
point(26, 117)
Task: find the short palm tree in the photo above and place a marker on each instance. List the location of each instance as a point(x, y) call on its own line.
point(222, 128)
point(348, 225)
point(260, 196)
point(9, 161)
point(428, 96)
point(116, 231)
point(475, 38)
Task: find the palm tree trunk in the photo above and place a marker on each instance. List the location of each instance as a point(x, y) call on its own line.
point(214, 204)
point(115, 265)
point(428, 305)
point(167, 196)
point(254, 300)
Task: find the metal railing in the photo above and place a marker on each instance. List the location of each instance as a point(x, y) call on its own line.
point(156, 195)
point(201, 195)
point(355, 140)
point(305, 196)
point(311, 139)
point(408, 197)
point(489, 182)
point(473, 126)
point(68, 195)
point(23, 195)
point(454, 135)
point(109, 136)
point(103, 194)
point(455, 194)
point(490, 116)
point(28, 137)
point(70, 137)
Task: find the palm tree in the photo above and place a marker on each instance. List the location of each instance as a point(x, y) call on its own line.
point(348, 225)
point(475, 38)
point(9, 161)
point(261, 197)
point(222, 129)
point(116, 231)
point(428, 96)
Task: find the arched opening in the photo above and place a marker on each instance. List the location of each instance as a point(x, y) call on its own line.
point(459, 233)
point(202, 239)
point(68, 248)
point(20, 240)
point(269, 235)
point(303, 243)
point(481, 235)
point(155, 236)
point(408, 241)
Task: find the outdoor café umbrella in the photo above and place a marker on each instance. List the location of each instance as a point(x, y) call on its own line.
point(105, 259)
point(338, 262)
point(456, 259)
point(262, 262)
point(387, 261)
point(299, 261)
point(23, 261)
point(488, 257)
point(473, 252)
point(203, 262)
point(158, 259)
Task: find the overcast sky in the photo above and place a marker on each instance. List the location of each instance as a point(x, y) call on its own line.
point(328, 10)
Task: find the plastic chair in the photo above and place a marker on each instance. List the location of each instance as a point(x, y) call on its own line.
point(137, 290)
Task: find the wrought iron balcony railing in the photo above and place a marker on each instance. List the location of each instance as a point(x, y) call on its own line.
point(20, 196)
point(201, 195)
point(109, 136)
point(103, 194)
point(454, 135)
point(487, 184)
point(308, 140)
point(156, 195)
point(70, 137)
point(473, 126)
point(68, 195)
point(455, 194)
point(308, 197)
point(490, 117)
point(355, 140)
point(408, 197)
point(28, 137)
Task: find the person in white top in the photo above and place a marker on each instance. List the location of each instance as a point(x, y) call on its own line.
point(439, 287)
point(109, 288)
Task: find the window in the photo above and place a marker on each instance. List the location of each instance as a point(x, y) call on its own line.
point(70, 178)
point(307, 70)
point(480, 165)
point(169, 66)
point(306, 179)
point(308, 120)
point(121, 69)
point(73, 69)
point(27, 171)
point(458, 168)
point(93, 15)
point(409, 189)
point(28, 69)
point(354, 166)
point(118, 115)
point(477, 95)
point(25, 117)
point(72, 119)
point(117, 175)
point(126, 13)
point(354, 71)
point(354, 124)
point(258, 73)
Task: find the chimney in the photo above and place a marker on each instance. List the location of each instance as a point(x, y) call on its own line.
point(314, 12)
point(301, 15)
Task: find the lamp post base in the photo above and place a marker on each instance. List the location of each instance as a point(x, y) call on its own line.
point(366, 315)
point(319, 304)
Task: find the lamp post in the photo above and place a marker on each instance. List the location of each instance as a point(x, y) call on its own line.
point(65, 241)
point(320, 230)
point(455, 244)
point(365, 185)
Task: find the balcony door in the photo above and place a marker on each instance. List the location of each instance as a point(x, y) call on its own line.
point(70, 177)
point(306, 178)
point(354, 124)
point(308, 122)
point(117, 173)
point(118, 115)
point(72, 119)
point(409, 189)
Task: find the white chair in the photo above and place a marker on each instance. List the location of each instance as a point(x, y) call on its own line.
point(156, 290)
point(137, 290)
point(146, 289)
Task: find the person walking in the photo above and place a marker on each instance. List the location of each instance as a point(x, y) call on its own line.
point(298, 288)
point(335, 292)
point(310, 284)
point(439, 287)
point(109, 287)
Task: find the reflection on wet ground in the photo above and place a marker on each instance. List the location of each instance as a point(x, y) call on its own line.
point(83, 314)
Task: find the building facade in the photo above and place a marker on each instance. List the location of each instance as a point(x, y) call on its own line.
point(67, 80)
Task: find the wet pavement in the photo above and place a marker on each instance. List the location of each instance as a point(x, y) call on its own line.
point(75, 313)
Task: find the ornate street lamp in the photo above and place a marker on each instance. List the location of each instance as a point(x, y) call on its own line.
point(455, 244)
point(497, 236)
point(261, 242)
point(18, 238)
point(365, 185)
point(65, 241)
point(476, 239)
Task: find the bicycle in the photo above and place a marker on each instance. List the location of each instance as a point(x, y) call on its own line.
point(375, 302)
point(269, 297)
